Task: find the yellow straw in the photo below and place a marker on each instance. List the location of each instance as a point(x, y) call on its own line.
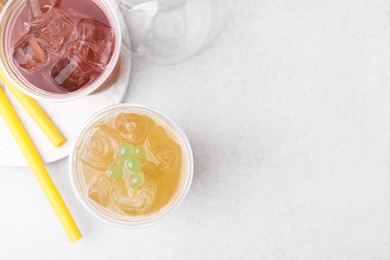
point(36, 112)
point(38, 167)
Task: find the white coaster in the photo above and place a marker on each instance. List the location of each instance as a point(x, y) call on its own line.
point(68, 117)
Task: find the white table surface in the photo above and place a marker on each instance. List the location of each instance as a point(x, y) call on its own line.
point(288, 113)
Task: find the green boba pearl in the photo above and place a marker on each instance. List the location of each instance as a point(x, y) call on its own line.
point(127, 150)
point(133, 164)
point(115, 172)
point(137, 180)
point(140, 151)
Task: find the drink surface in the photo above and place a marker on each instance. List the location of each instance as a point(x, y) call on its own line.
point(2, 4)
point(130, 164)
point(62, 46)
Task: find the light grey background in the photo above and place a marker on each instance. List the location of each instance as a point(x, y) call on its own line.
point(288, 113)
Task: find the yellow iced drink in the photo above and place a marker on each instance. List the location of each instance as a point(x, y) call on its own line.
point(130, 164)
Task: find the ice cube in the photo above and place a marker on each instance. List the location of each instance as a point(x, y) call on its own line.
point(101, 150)
point(99, 191)
point(133, 202)
point(133, 127)
point(72, 72)
point(84, 52)
point(37, 9)
point(162, 146)
point(28, 53)
point(152, 170)
point(55, 31)
point(99, 36)
point(74, 14)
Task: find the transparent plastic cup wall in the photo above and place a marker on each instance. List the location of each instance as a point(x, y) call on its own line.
point(178, 30)
point(118, 220)
point(8, 18)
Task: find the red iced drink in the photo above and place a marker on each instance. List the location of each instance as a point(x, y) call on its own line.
point(62, 46)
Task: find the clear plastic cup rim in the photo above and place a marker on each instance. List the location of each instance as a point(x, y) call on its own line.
point(141, 221)
point(112, 13)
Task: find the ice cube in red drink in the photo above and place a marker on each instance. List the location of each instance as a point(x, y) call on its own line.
point(99, 36)
point(76, 68)
point(37, 9)
point(84, 52)
point(28, 52)
point(55, 31)
point(72, 74)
